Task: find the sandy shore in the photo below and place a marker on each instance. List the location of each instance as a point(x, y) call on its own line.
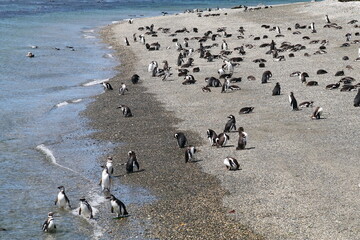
point(299, 177)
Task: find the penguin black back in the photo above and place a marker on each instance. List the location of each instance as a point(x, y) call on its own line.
point(181, 139)
point(132, 161)
point(276, 90)
point(231, 124)
point(357, 99)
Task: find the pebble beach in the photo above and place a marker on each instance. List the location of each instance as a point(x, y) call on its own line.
point(298, 177)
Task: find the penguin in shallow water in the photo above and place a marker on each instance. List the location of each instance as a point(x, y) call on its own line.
point(125, 110)
point(293, 102)
point(231, 124)
point(242, 139)
point(211, 135)
point(132, 162)
point(62, 200)
point(49, 224)
point(181, 139)
point(107, 86)
point(276, 90)
point(105, 181)
point(317, 113)
point(189, 153)
point(222, 139)
point(231, 163)
point(117, 206)
point(85, 209)
point(357, 99)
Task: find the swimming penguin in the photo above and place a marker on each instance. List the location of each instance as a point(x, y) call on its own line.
point(85, 209)
point(126, 41)
point(231, 164)
point(357, 99)
point(117, 206)
point(107, 86)
point(231, 124)
point(109, 165)
point(62, 200)
point(181, 139)
point(246, 110)
point(242, 139)
point(293, 102)
point(132, 162)
point(276, 90)
point(266, 76)
point(30, 55)
point(49, 224)
point(189, 153)
point(105, 181)
point(126, 111)
point(317, 113)
point(122, 89)
point(135, 79)
point(211, 135)
point(222, 139)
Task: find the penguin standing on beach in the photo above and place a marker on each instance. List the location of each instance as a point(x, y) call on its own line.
point(211, 135)
point(126, 41)
point(242, 139)
point(317, 113)
point(189, 153)
point(49, 224)
point(181, 139)
point(107, 86)
point(117, 206)
point(222, 139)
point(231, 163)
point(266, 76)
point(125, 110)
point(135, 78)
point(276, 90)
point(327, 19)
point(293, 102)
point(132, 162)
point(312, 27)
point(122, 89)
point(105, 181)
point(62, 200)
point(85, 209)
point(357, 99)
point(231, 124)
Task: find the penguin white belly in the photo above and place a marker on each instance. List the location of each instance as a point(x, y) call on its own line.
point(51, 226)
point(61, 200)
point(85, 211)
point(105, 181)
point(115, 207)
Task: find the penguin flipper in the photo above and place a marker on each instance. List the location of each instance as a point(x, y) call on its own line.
point(112, 209)
point(80, 211)
point(137, 165)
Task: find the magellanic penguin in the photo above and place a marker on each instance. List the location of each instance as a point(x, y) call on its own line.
point(317, 113)
point(135, 78)
point(293, 102)
point(246, 110)
point(105, 181)
point(211, 135)
point(126, 41)
point(231, 164)
point(243, 136)
point(117, 206)
point(231, 124)
point(189, 153)
point(49, 224)
point(107, 86)
point(122, 89)
point(85, 209)
point(306, 104)
point(62, 200)
point(181, 139)
point(126, 111)
point(276, 90)
point(109, 165)
point(222, 139)
point(266, 76)
point(132, 162)
point(357, 99)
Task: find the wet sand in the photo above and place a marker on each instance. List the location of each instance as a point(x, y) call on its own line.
point(299, 177)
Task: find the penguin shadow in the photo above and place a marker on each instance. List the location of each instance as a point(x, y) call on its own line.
point(123, 175)
point(196, 160)
point(247, 148)
point(227, 146)
point(122, 217)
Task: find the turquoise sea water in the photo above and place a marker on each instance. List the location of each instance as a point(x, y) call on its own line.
point(44, 142)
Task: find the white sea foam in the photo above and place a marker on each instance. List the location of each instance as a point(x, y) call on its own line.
point(76, 100)
point(49, 155)
point(88, 36)
point(62, 104)
point(108, 55)
point(94, 82)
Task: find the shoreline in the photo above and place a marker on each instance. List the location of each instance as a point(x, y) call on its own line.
point(266, 195)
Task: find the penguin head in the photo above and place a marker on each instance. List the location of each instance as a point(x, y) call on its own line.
point(82, 200)
point(62, 188)
point(231, 117)
point(112, 197)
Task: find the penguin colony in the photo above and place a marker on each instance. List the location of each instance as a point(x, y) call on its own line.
point(210, 46)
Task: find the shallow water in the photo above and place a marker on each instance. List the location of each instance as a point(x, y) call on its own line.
point(44, 143)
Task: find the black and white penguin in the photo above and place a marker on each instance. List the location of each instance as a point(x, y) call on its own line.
point(231, 164)
point(126, 41)
point(303, 76)
point(152, 65)
point(276, 90)
point(231, 124)
point(107, 86)
point(85, 209)
point(49, 224)
point(224, 45)
point(117, 206)
point(125, 110)
point(62, 200)
point(132, 162)
point(266, 76)
point(189, 153)
point(357, 99)
point(109, 165)
point(327, 19)
point(306, 104)
point(242, 139)
point(312, 27)
point(135, 78)
point(222, 139)
point(317, 113)
point(123, 89)
point(181, 139)
point(105, 180)
point(293, 102)
point(246, 110)
point(211, 135)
